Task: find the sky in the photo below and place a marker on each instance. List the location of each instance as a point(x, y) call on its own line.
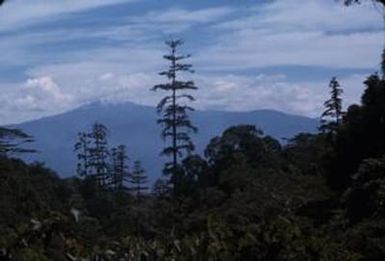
point(247, 54)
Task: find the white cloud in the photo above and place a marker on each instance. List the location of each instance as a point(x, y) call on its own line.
point(42, 95)
point(36, 97)
point(256, 49)
point(171, 21)
point(305, 15)
point(42, 90)
point(17, 13)
point(243, 93)
point(182, 15)
point(246, 93)
point(111, 81)
point(298, 32)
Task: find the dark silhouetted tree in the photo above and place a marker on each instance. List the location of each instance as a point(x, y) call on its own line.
point(82, 147)
point(195, 168)
point(93, 154)
point(365, 198)
point(236, 152)
point(99, 153)
point(306, 153)
point(161, 188)
point(196, 177)
point(361, 135)
point(383, 64)
point(243, 141)
point(173, 109)
point(350, 2)
point(12, 140)
point(331, 117)
point(138, 180)
point(119, 166)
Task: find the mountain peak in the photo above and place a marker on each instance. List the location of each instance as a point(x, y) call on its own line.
point(135, 126)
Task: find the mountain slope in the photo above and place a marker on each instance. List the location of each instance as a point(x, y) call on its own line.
point(135, 126)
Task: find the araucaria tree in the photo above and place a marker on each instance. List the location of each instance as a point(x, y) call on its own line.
point(82, 148)
point(119, 166)
point(93, 154)
point(138, 180)
point(173, 109)
point(332, 116)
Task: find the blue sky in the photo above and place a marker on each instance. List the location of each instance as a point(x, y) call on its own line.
point(248, 55)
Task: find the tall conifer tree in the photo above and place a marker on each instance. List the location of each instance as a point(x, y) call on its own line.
point(93, 154)
point(383, 63)
point(99, 153)
point(173, 109)
point(138, 180)
point(82, 148)
point(119, 166)
point(332, 115)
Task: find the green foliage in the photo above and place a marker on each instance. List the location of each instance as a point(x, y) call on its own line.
point(366, 197)
point(28, 193)
point(243, 143)
point(306, 154)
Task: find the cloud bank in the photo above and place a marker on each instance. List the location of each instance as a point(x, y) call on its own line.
point(58, 65)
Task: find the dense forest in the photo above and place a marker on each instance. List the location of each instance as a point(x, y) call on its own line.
point(319, 196)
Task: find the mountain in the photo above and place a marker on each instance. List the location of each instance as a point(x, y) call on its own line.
point(135, 126)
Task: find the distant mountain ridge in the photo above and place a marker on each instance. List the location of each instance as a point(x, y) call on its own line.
point(135, 126)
